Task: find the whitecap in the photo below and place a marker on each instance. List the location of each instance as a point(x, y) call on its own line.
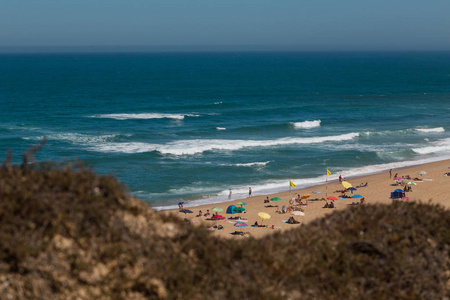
point(221, 128)
point(306, 124)
point(251, 164)
point(144, 116)
point(438, 146)
point(437, 129)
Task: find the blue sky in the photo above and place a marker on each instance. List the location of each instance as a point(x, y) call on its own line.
point(228, 24)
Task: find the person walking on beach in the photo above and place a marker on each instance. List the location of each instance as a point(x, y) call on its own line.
point(229, 195)
point(390, 173)
point(340, 178)
point(249, 191)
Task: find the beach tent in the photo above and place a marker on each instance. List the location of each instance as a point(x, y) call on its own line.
point(398, 193)
point(239, 209)
point(231, 209)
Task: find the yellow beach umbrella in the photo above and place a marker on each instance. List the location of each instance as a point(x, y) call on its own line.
point(346, 184)
point(264, 216)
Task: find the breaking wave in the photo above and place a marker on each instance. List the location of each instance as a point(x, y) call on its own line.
point(252, 164)
point(438, 146)
point(306, 124)
point(190, 147)
point(144, 116)
point(437, 129)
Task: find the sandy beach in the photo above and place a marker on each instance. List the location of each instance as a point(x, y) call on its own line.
point(432, 186)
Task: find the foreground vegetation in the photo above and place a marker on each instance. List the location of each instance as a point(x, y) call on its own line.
point(67, 233)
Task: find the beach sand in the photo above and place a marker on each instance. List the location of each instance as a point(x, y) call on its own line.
point(434, 188)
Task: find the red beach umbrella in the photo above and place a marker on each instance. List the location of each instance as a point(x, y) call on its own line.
point(333, 198)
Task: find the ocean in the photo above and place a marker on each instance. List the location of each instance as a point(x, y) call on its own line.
point(190, 126)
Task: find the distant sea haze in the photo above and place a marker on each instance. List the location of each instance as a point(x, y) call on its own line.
point(190, 126)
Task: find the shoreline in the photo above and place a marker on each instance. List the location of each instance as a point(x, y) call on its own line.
point(436, 189)
point(219, 199)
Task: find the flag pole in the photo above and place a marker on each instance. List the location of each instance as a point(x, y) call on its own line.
point(290, 188)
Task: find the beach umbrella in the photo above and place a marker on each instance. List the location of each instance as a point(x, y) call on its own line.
point(332, 198)
point(241, 203)
point(422, 172)
point(346, 184)
point(398, 178)
point(298, 213)
point(275, 199)
point(399, 191)
point(316, 192)
point(186, 211)
point(218, 217)
point(411, 183)
point(215, 208)
point(357, 196)
point(351, 189)
point(305, 196)
point(264, 216)
point(241, 224)
point(239, 209)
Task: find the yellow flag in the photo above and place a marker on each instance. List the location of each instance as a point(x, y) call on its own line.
point(328, 172)
point(292, 184)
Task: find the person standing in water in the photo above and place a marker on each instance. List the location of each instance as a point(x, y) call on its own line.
point(249, 191)
point(229, 195)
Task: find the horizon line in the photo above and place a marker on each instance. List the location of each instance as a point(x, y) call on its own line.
point(186, 49)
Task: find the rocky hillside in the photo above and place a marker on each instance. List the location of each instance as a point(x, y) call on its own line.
point(67, 233)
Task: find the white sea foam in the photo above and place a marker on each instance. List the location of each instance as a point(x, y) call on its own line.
point(78, 138)
point(221, 128)
point(144, 116)
point(252, 164)
point(307, 124)
point(438, 146)
point(437, 129)
point(132, 147)
point(190, 147)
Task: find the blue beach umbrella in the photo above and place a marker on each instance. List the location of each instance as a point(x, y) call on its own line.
point(351, 189)
point(357, 196)
point(241, 225)
point(399, 190)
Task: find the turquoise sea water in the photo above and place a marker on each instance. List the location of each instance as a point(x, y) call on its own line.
point(189, 126)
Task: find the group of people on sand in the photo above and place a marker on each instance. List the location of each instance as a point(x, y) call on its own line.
point(331, 205)
point(200, 213)
point(407, 188)
point(291, 220)
point(362, 201)
point(216, 227)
